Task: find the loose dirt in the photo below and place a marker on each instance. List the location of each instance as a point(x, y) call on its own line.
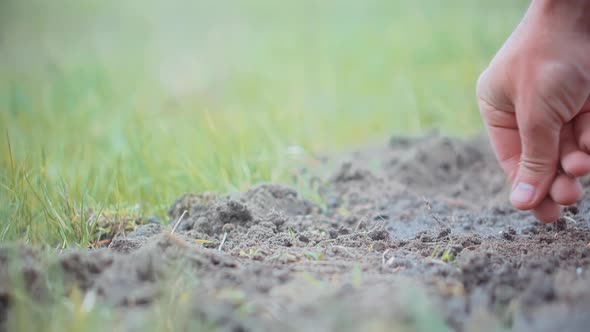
point(415, 235)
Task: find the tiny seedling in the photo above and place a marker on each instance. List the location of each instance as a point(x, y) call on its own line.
point(313, 256)
point(447, 256)
point(251, 252)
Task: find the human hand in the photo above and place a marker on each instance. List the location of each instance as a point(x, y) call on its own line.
point(534, 100)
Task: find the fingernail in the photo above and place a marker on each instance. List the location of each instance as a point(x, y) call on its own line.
point(522, 193)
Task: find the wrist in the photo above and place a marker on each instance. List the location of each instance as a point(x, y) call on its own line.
point(571, 16)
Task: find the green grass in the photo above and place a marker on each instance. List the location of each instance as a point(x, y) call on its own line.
point(125, 106)
point(121, 106)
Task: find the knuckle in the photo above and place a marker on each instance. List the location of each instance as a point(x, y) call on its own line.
point(551, 75)
point(482, 84)
point(557, 86)
point(492, 97)
point(496, 118)
point(532, 126)
point(536, 167)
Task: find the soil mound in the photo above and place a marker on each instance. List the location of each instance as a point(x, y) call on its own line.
point(415, 235)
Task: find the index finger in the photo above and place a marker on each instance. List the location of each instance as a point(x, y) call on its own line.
point(502, 130)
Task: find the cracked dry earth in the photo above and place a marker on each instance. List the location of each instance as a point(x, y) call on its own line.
point(413, 235)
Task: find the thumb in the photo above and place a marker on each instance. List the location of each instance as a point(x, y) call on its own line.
point(539, 130)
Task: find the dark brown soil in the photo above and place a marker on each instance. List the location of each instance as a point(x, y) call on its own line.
point(416, 235)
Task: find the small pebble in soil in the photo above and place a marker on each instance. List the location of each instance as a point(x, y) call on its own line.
point(343, 231)
point(573, 210)
point(379, 246)
point(228, 228)
point(444, 233)
point(456, 249)
point(530, 229)
point(560, 225)
point(397, 262)
point(471, 242)
point(333, 233)
point(303, 238)
point(425, 238)
point(402, 243)
point(287, 258)
point(508, 234)
point(379, 234)
point(258, 257)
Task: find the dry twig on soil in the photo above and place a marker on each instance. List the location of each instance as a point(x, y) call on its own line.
point(178, 221)
point(222, 241)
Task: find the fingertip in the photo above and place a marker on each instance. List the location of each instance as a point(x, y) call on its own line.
point(584, 137)
point(576, 163)
point(582, 131)
point(523, 195)
point(526, 196)
point(548, 211)
point(566, 190)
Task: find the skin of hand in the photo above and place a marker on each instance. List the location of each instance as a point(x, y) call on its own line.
point(534, 101)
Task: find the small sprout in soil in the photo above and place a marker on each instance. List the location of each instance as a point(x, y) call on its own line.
point(251, 252)
point(292, 233)
point(203, 241)
point(313, 256)
point(105, 224)
point(434, 252)
point(206, 243)
point(447, 256)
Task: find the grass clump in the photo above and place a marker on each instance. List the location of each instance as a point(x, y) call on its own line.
point(126, 106)
point(110, 110)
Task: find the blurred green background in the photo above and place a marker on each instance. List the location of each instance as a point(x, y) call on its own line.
point(123, 106)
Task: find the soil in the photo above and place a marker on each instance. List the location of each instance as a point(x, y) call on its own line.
point(413, 235)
